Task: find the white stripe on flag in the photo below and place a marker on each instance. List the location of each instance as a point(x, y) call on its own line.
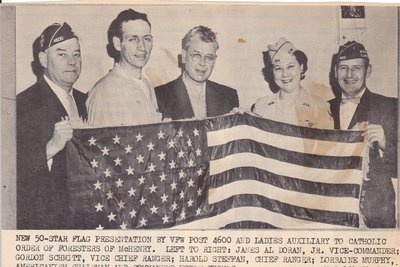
point(297, 144)
point(344, 176)
point(257, 215)
point(295, 198)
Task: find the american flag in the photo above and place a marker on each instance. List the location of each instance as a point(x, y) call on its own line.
point(235, 171)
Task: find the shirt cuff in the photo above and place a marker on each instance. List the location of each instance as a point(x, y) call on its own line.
point(49, 163)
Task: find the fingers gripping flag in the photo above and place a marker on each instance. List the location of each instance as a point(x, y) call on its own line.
point(235, 171)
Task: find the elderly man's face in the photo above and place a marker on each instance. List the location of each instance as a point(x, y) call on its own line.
point(62, 63)
point(199, 59)
point(136, 43)
point(352, 75)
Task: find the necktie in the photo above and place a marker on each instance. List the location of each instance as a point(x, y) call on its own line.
point(72, 108)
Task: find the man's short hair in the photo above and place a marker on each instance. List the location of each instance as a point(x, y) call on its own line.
point(115, 29)
point(205, 34)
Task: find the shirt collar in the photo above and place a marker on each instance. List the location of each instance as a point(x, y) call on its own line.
point(359, 95)
point(57, 89)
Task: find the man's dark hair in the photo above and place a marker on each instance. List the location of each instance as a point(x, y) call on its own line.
point(115, 29)
point(268, 70)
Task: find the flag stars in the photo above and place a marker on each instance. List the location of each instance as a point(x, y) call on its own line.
point(153, 210)
point(171, 143)
point(180, 133)
point(163, 177)
point(165, 219)
point(105, 151)
point(153, 188)
point(174, 206)
point(143, 222)
point(189, 143)
point(199, 192)
point(132, 192)
point(119, 182)
point(161, 134)
point(142, 201)
point(130, 170)
point(162, 156)
point(199, 172)
point(128, 149)
point(182, 174)
point(173, 185)
point(111, 217)
point(150, 146)
point(94, 163)
point(182, 195)
point(107, 173)
point(141, 179)
point(198, 212)
point(152, 167)
point(92, 141)
point(140, 159)
point(191, 163)
point(172, 164)
point(190, 183)
point(164, 198)
point(190, 203)
point(123, 226)
point(116, 139)
point(117, 161)
point(181, 154)
point(196, 132)
point(198, 152)
point(121, 204)
point(97, 185)
point(133, 213)
point(183, 215)
point(110, 195)
point(139, 137)
point(99, 227)
point(99, 207)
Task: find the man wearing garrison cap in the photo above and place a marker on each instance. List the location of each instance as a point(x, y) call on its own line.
point(356, 107)
point(46, 112)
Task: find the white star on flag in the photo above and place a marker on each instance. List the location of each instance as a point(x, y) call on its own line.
point(92, 141)
point(109, 195)
point(150, 146)
point(199, 192)
point(198, 212)
point(99, 227)
point(107, 173)
point(163, 177)
point(140, 159)
point(180, 133)
point(139, 137)
point(142, 201)
point(199, 172)
point(181, 154)
point(174, 206)
point(128, 149)
point(99, 207)
point(133, 213)
point(97, 185)
point(143, 222)
point(164, 198)
point(183, 215)
point(130, 170)
point(198, 152)
point(182, 195)
point(171, 143)
point(154, 209)
point(121, 204)
point(152, 167)
point(196, 132)
point(117, 161)
point(162, 156)
point(191, 163)
point(190, 183)
point(141, 179)
point(152, 188)
point(189, 143)
point(123, 226)
point(161, 135)
point(132, 192)
point(190, 203)
point(105, 151)
point(173, 185)
point(165, 219)
point(111, 217)
point(116, 139)
point(119, 182)
point(94, 163)
point(181, 174)
point(172, 164)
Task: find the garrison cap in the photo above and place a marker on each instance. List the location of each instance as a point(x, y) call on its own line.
point(351, 50)
point(281, 48)
point(54, 34)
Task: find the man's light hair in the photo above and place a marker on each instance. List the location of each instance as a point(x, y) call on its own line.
point(205, 34)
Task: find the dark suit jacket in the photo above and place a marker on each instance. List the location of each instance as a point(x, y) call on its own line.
point(173, 100)
point(378, 194)
point(42, 200)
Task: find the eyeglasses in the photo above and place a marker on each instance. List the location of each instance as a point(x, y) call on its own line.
point(354, 68)
point(196, 57)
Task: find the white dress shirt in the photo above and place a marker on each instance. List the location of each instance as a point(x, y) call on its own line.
point(347, 111)
point(197, 96)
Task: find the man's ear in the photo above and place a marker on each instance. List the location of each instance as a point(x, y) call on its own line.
point(43, 59)
point(117, 43)
point(369, 70)
point(184, 56)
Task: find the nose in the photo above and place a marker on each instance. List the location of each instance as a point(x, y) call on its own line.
point(202, 61)
point(141, 45)
point(349, 72)
point(71, 60)
point(285, 72)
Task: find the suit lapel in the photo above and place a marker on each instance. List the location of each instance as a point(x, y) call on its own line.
point(182, 103)
point(362, 110)
point(53, 105)
point(335, 111)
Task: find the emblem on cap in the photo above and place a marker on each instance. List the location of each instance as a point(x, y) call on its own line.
point(282, 47)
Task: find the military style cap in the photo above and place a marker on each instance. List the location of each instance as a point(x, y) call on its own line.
point(351, 50)
point(281, 48)
point(54, 34)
